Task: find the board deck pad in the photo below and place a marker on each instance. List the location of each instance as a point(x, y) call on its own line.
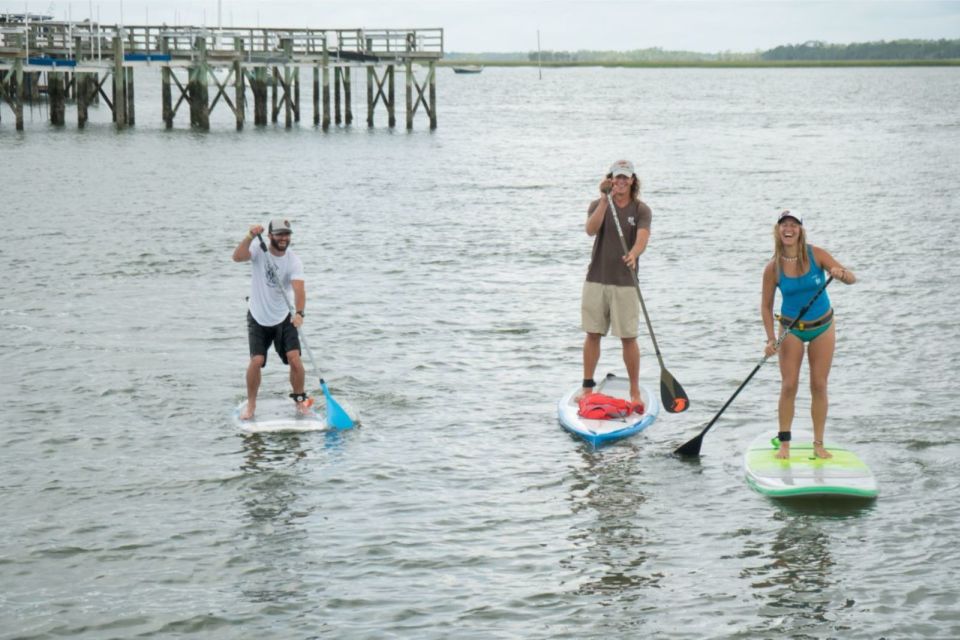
point(598, 432)
point(802, 474)
point(279, 415)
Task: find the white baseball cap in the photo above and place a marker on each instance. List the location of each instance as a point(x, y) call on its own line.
point(787, 213)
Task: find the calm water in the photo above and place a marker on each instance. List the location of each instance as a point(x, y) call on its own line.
point(444, 273)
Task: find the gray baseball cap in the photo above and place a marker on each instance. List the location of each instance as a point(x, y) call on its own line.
point(280, 225)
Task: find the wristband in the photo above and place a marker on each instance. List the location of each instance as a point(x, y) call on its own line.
point(300, 313)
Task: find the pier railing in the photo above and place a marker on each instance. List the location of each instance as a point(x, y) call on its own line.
point(85, 41)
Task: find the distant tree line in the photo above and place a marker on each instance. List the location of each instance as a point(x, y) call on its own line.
point(654, 54)
point(813, 50)
point(893, 50)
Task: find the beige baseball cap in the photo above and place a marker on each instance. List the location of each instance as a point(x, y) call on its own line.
point(621, 168)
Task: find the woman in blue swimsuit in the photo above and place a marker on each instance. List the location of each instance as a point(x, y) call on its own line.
point(799, 270)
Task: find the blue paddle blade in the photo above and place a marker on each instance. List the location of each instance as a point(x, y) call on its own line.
point(336, 416)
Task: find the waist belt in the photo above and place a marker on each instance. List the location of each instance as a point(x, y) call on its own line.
point(802, 325)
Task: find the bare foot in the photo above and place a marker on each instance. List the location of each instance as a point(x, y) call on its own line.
point(784, 452)
point(303, 408)
point(820, 452)
point(248, 410)
point(584, 392)
point(635, 398)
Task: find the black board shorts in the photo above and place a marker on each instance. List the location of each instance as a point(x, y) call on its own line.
point(284, 337)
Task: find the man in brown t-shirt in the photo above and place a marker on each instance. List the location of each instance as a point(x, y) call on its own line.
point(609, 298)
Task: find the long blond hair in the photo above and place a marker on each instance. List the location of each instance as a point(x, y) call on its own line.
point(803, 261)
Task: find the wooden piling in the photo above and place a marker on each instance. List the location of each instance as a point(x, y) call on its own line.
point(391, 98)
point(433, 95)
point(409, 81)
point(316, 95)
point(296, 94)
point(371, 78)
point(131, 112)
point(337, 80)
point(166, 96)
point(326, 86)
point(240, 84)
point(83, 98)
point(119, 85)
point(287, 106)
point(34, 81)
point(274, 110)
point(347, 102)
point(56, 98)
point(197, 88)
point(258, 85)
point(16, 93)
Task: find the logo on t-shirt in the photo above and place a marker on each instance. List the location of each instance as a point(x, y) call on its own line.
point(273, 279)
point(632, 221)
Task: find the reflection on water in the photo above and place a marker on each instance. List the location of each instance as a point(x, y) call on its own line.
point(797, 583)
point(263, 452)
point(277, 506)
point(611, 550)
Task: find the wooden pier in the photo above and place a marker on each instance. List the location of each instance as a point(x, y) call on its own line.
point(86, 62)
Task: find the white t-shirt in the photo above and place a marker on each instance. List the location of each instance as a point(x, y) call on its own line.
point(267, 305)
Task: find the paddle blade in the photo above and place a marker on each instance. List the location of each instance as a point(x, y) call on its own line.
point(690, 449)
point(337, 417)
point(672, 395)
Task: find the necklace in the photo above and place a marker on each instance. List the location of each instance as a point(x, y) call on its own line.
point(789, 258)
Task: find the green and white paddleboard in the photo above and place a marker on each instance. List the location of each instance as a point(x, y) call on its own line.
point(802, 474)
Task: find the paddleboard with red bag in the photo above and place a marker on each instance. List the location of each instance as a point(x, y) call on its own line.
point(607, 415)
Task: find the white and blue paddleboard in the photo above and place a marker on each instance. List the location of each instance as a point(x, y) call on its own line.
point(598, 432)
point(802, 474)
point(279, 415)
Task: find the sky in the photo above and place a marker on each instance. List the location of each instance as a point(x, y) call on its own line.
point(707, 26)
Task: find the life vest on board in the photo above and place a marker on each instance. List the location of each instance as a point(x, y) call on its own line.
point(598, 406)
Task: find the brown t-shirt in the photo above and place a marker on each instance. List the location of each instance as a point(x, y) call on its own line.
point(606, 263)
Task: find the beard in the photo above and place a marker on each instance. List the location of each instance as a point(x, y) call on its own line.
point(280, 247)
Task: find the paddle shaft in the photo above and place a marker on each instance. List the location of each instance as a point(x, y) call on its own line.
point(636, 281)
point(765, 358)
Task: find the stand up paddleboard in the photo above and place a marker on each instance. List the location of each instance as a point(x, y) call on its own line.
point(278, 415)
point(598, 432)
point(802, 474)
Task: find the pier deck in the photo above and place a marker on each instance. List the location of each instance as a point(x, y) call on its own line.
point(77, 58)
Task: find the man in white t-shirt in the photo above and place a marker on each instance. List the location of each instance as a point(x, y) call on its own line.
point(269, 319)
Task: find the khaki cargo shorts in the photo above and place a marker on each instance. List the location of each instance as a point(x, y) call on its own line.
point(605, 306)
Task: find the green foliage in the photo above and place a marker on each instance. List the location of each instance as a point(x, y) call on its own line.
point(893, 50)
point(655, 54)
point(813, 51)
